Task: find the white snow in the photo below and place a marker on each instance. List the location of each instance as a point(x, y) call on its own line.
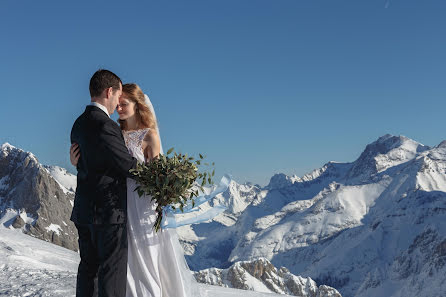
point(32, 267)
point(8, 216)
point(402, 152)
point(6, 148)
point(54, 228)
point(254, 284)
point(27, 218)
point(66, 180)
point(261, 276)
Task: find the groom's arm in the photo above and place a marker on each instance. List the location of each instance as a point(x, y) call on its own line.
point(114, 149)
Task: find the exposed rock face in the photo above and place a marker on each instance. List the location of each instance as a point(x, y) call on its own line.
point(18, 222)
point(31, 199)
point(260, 275)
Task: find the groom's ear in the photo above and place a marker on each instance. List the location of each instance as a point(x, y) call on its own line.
point(108, 92)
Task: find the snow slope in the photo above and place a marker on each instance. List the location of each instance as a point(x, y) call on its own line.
point(32, 267)
point(66, 180)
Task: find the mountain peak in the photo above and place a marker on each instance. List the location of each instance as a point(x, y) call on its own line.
point(442, 144)
point(15, 154)
point(36, 199)
point(281, 180)
point(388, 142)
point(7, 146)
point(385, 152)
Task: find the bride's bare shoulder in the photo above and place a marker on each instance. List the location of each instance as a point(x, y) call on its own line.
point(151, 136)
point(151, 144)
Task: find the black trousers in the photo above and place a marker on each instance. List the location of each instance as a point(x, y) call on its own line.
point(102, 271)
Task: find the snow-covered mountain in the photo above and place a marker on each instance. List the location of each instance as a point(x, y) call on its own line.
point(373, 227)
point(35, 198)
point(261, 276)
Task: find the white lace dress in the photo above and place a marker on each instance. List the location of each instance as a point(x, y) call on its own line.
point(156, 264)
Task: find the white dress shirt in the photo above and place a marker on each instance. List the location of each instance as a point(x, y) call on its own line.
point(101, 107)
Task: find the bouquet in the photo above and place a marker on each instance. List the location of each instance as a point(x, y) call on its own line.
point(170, 181)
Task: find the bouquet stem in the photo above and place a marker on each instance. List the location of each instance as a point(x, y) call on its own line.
point(159, 219)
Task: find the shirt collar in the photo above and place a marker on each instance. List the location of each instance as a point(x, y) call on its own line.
point(101, 107)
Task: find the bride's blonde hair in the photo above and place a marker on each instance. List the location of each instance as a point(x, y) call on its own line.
point(144, 116)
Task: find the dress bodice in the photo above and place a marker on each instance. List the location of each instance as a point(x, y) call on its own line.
point(133, 141)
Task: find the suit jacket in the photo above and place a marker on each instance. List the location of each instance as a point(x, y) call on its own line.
point(104, 164)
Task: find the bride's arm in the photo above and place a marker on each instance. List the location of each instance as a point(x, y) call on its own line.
point(151, 145)
point(74, 154)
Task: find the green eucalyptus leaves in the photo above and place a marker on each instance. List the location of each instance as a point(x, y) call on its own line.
point(171, 180)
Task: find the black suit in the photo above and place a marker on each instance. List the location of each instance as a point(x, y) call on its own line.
point(100, 204)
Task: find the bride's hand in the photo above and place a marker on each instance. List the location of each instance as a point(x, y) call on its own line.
point(74, 154)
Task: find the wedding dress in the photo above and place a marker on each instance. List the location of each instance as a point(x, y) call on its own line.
point(155, 268)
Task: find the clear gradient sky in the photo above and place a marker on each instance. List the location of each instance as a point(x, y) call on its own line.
point(260, 87)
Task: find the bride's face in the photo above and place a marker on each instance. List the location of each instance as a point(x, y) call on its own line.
point(126, 108)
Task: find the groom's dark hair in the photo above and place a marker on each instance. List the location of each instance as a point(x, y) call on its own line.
point(103, 79)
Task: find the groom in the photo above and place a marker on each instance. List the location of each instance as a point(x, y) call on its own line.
point(100, 204)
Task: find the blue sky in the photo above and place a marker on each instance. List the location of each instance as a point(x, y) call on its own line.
point(260, 87)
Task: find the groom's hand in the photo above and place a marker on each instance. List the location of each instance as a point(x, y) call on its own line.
point(74, 154)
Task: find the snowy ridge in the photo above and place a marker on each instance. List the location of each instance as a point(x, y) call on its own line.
point(66, 180)
point(238, 197)
point(386, 152)
point(261, 276)
point(10, 150)
point(348, 225)
point(310, 241)
point(281, 180)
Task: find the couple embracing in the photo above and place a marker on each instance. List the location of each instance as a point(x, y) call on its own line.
point(121, 255)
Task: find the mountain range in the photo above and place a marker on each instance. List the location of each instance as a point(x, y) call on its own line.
point(372, 227)
point(36, 200)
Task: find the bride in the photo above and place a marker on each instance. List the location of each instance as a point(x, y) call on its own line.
point(156, 264)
